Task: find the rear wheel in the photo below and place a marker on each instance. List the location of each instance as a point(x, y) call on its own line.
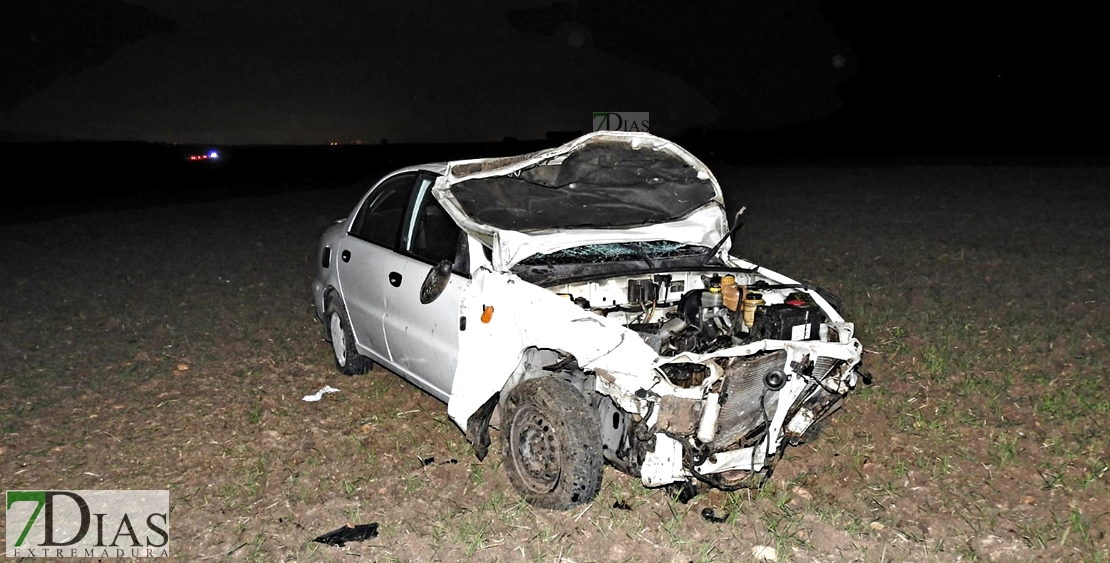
point(551, 443)
point(338, 331)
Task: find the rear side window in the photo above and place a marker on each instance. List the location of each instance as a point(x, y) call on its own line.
point(379, 220)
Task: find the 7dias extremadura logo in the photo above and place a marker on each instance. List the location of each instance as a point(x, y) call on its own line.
point(88, 523)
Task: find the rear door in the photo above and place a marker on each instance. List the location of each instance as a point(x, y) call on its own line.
point(367, 256)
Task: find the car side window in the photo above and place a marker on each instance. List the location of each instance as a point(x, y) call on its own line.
point(379, 220)
point(432, 235)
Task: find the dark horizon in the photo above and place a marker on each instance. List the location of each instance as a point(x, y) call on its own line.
point(838, 77)
point(119, 175)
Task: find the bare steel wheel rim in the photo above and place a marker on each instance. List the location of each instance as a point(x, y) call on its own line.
point(536, 450)
point(338, 339)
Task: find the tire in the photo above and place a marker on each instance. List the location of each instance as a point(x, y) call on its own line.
point(337, 327)
point(551, 444)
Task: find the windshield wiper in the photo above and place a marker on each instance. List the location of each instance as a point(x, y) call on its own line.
point(643, 255)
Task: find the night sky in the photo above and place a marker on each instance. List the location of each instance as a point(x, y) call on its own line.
point(931, 76)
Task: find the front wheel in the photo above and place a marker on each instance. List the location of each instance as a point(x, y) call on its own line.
point(551, 442)
point(347, 358)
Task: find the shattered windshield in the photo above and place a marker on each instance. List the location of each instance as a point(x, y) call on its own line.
point(601, 185)
point(615, 252)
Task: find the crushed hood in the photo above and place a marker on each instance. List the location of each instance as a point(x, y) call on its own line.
point(603, 187)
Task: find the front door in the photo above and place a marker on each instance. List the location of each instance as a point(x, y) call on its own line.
point(423, 338)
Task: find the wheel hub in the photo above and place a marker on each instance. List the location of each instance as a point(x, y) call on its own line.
point(338, 340)
point(536, 450)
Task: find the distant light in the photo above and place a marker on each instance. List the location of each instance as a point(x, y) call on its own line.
point(211, 155)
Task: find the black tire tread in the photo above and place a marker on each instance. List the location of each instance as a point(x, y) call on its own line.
point(357, 364)
point(576, 423)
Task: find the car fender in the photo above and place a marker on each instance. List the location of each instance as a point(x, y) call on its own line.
point(526, 316)
point(326, 281)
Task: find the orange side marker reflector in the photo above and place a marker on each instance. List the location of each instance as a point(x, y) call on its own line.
point(487, 313)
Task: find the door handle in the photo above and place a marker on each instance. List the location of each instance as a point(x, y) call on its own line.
point(394, 279)
point(346, 256)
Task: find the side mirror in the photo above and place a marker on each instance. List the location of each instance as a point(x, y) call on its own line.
point(435, 282)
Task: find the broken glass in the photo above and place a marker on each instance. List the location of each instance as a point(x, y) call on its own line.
point(615, 252)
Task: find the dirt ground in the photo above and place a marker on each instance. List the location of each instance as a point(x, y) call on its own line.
point(170, 347)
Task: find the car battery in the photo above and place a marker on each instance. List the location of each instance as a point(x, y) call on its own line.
point(787, 322)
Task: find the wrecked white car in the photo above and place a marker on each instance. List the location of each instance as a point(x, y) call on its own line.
point(582, 300)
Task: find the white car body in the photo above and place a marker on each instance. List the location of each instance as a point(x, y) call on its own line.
point(677, 406)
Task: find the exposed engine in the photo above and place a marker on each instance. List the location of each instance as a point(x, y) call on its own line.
point(721, 314)
point(737, 413)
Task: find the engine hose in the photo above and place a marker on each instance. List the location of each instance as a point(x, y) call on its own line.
point(766, 424)
point(697, 458)
point(642, 425)
point(722, 326)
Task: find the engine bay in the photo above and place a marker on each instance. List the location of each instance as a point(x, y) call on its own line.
point(739, 403)
point(702, 312)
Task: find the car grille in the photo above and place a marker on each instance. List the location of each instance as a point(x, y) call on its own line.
point(741, 408)
point(823, 367)
point(746, 401)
